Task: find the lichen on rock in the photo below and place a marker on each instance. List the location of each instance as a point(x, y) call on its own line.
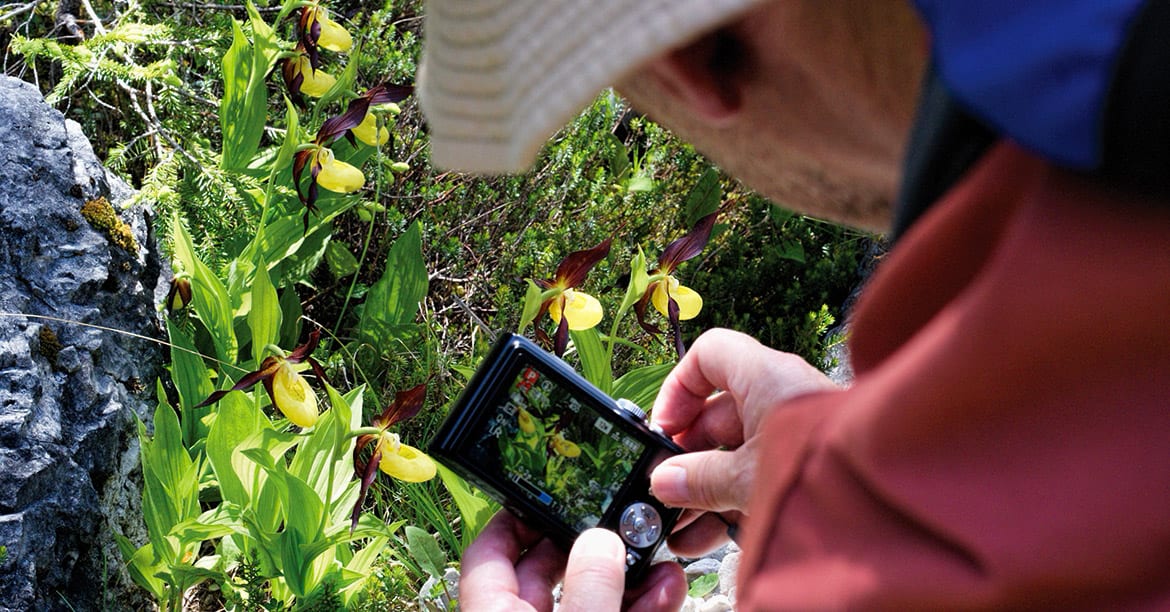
point(101, 216)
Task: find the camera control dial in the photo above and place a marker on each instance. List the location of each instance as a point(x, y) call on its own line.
point(641, 525)
point(632, 409)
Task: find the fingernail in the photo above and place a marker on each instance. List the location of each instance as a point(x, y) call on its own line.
point(600, 544)
point(669, 484)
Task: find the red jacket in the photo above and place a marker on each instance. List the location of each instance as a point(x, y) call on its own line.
point(1006, 443)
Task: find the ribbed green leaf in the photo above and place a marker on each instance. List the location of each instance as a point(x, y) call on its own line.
point(426, 551)
point(704, 198)
point(393, 301)
point(594, 362)
point(264, 318)
point(209, 297)
point(474, 510)
point(191, 378)
point(641, 385)
point(236, 421)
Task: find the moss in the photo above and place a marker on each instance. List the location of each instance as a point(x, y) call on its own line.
point(102, 217)
point(50, 345)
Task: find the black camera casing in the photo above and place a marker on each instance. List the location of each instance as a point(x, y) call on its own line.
point(558, 452)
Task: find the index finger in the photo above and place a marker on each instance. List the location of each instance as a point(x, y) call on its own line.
point(706, 368)
point(753, 379)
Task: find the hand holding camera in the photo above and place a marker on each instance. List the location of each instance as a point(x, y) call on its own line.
point(557, 452)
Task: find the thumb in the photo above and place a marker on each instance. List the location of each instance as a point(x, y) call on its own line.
point(595, 577)
point(708, 480)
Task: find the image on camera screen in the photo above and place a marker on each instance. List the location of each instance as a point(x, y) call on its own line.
point(559, 451)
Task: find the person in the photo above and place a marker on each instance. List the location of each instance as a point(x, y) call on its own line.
point(1003, 443)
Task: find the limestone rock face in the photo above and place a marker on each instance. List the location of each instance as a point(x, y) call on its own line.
point(71, 390)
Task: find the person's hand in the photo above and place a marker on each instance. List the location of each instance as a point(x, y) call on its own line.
point(510, 567)
point(713, 403)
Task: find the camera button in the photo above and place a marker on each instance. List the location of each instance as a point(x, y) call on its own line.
point(641, 525)
point(632, 558)
point(632, 409)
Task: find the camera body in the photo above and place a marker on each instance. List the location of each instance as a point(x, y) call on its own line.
point(557, 452)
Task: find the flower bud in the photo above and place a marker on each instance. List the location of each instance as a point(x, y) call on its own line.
point(179, 297)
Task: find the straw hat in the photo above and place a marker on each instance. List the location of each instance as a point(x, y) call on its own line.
point(499, 77)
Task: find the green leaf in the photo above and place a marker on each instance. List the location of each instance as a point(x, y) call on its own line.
point(323, 458)
point(345, 80)
point(288, 148)
point(793, 250)
point(640, 183)
point(284, 238)
point(212, 524)
point(144, 569)
point(474, 510)
point(704, 198)
point(236, 421)
point(170, 481)
point(393, 301)
point(532, 301)
point(426, 551)
point(361, 564)
point(242, 110)
point(264, 318)
point(290, 326)
point(641, 385)
point(639, 280)
point(191, 378)
point(209, 297)
point(341, 262)
point(593, 357)
point(703, 585)
point(617, 156)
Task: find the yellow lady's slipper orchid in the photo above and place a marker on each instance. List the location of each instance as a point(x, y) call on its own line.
point(333, 36)
point(368, 131)
point(389, 454)
point(558, 296)
point(335, 175)
point(403, 461)
point(288, 390)
point(315, 82)
point(688, 300)
point(581, 309)
point(564, 447)
point(524, 420)
point(665, 293)
point(293, 396)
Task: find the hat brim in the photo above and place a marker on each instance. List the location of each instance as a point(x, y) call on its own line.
point(499, 77)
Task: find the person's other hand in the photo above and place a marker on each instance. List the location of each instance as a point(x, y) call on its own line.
point(511, 567)
point(713, 403)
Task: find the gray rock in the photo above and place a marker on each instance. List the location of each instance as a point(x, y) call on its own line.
point(718, 603)
point(728, 570)
point(702, 567)
point(433, 596)
point(70, 392)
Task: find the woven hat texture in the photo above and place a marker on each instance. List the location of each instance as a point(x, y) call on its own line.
point(499, 77)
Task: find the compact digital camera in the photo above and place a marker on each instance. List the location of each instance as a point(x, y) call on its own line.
point(557, 452)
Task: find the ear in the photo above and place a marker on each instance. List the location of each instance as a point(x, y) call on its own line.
point(706, 76)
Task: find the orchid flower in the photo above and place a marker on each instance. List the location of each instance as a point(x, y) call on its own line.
point(568, 307)
point(325, 170)
point(302, 77)
point(390, 455)
point(288, 390)
point(670, 297)
point(179, 296)
point(316, 29)
point(564, 447)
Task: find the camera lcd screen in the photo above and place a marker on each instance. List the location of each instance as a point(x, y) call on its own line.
point(558, 451)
